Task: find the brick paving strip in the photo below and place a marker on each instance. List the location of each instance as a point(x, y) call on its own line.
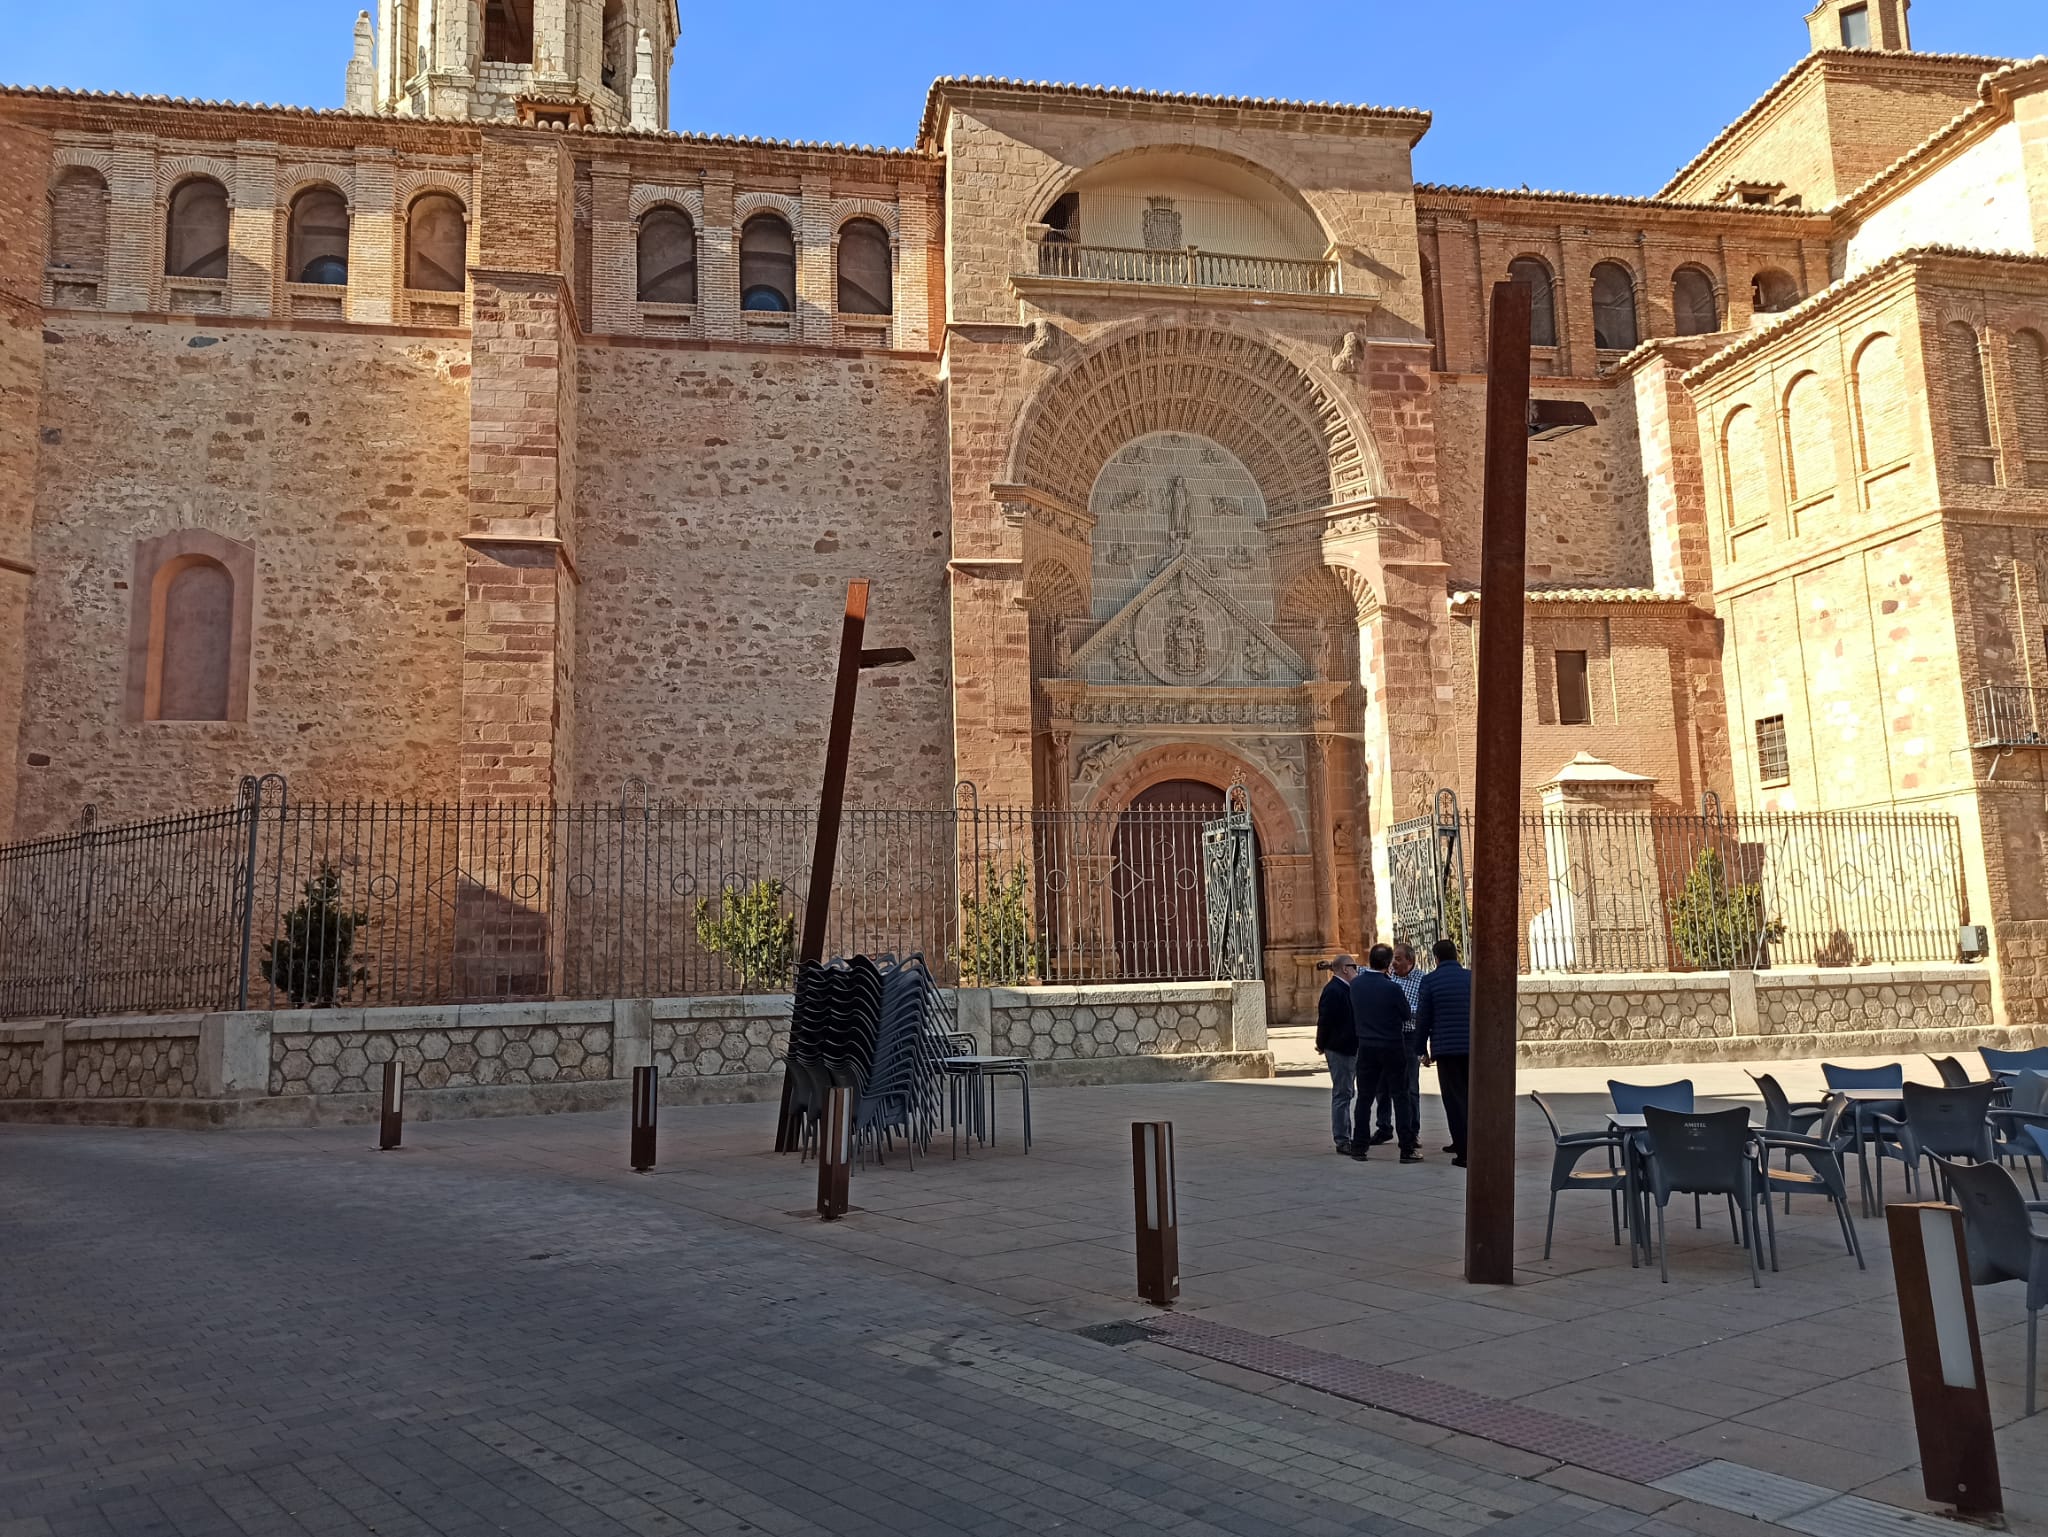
point(1788, 1502)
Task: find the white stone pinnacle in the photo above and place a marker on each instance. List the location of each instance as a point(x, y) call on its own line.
point(646, 100)
point(361, 89)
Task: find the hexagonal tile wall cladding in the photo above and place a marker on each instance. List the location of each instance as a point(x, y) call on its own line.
point(151, 1068)
point(351, 1062)
point(21, 1070)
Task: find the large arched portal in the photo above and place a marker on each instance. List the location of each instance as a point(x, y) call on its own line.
point(1160, 916)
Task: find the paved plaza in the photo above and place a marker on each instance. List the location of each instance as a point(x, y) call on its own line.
point(501, 1329)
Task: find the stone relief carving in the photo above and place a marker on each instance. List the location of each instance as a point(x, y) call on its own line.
point(1062, 643)
point(1044, 345)
point(1187, 638)
point(1129, 667)
point(1121, 555)
point(1348, 354)
point(1190, 712)
point(1162, 225)
point(1095, 757)
point(1255, 659)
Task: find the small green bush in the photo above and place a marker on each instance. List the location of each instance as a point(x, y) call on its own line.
point(314, 962)
point(996, 944)
point(1718, 925)
point(753, 933)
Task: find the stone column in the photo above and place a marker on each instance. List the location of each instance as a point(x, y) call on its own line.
point(252, 230)
point(1321, 832)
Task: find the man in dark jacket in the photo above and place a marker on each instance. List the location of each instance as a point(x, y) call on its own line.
point(1337, 1040)
point(1443, 1025)
point(1386, 1034)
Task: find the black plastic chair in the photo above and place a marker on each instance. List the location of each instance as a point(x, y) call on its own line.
point(1953, 1074)
point(1824, 1174)
point(1940, 1124)
point(1708, 1154)
point(2005, 1240)
point(1568, 1148)
point(2027, 1105)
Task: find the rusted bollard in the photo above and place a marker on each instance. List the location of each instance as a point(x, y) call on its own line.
point(1157, 1217)
point(835, 1149)
point(391, 1117)
point(646, 1090)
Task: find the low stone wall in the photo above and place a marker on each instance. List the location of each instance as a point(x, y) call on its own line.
point(299, 1066)
point(1711, 1016)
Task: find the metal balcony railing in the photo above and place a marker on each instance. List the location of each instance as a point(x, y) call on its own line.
point(2008, 715)
point(1187, 267)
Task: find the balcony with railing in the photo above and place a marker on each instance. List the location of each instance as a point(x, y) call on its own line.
point(2008, 715)
point(1188, 267)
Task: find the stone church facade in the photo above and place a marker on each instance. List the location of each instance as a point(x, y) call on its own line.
point(485, 440)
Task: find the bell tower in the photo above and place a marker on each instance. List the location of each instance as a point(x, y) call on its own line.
point(575, 62)
point(1879, 24)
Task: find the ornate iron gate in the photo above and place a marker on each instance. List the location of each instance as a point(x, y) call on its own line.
point(1230, 887)
point(1426, 868)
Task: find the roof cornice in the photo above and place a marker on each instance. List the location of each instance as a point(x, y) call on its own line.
point(1433, 193)
point(1995, 92)
point(1854, 61)
point(1329, 116)
point(1836, 295)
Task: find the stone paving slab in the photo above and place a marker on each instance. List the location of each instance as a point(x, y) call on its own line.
point(250, 1334)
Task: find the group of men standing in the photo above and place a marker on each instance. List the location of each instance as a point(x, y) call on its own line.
point(1377, 1028)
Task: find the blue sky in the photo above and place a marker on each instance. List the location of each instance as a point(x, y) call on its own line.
point(1586, 95)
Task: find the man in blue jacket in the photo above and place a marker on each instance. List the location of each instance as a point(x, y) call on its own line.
point(1386, 1035)
point(1443, 1027)
point(1338, 1042)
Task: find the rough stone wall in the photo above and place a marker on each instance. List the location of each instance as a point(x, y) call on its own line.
point(340, 460)
point(24, 172)
point(147, 1067)
point(456, 1056)
point(726, 497)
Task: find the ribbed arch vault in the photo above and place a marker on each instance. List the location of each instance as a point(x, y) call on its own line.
point(1287, 430)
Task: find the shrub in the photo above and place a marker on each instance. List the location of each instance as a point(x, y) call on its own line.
point(315, 960)
point(753, 933)
point(1718, 925)
point(996, 944)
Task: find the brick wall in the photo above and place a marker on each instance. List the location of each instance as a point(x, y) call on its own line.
point(24, 172)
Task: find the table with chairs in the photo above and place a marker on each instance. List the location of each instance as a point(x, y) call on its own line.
point(1964, 1140)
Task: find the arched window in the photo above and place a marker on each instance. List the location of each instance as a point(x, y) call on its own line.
point(1534, 274)
point(1884, 433)
point(1692, 302)
point(319, 237)
point(1809, 439)
point(193, 650)
point(2030, 389)
point(196, 232)
point(78, 220)
point(767, 264)
point(1771, 292)
point(865, 285)
point(668, 257)
point(1614, 307)
point(437, 244)
point(508, 31)
point(1969, 409)
point(618, 48)
point(1745, 469)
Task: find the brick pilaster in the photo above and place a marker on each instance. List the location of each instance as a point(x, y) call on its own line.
point(24, 176)
point(252, 230)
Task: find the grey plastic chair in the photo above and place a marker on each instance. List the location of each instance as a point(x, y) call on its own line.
point(1704, 1155)
point(1568, 1148)
point(1999, 1063)
point(1939, 1124)
point(2027, 1105)
point(1824, 1174)
point(1635, 1098)
point(2006, 1239)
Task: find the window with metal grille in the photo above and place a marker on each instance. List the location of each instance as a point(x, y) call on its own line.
point(668, 257)
point(196, 231)
point(767, 264)
point(1574, 698)
point(1773, 761)
point(864, 262)
point(1693, 304)
point(1614, 307)
point(319, 237)
point(437, 244)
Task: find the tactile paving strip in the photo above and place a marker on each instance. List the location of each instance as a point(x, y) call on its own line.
point(1434, 1403)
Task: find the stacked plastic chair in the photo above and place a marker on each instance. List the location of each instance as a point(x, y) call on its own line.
point(833, 1029)
point(903, 1090)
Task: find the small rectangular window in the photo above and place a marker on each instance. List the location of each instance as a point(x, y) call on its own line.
point(1773, 763)
point(1574, 699)
point(1856, 27)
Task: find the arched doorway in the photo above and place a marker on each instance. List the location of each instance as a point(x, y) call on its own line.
point(1159, 913)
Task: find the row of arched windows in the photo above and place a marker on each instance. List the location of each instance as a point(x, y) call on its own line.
point(668, 263)
point(1695, 307)
point(316, 240)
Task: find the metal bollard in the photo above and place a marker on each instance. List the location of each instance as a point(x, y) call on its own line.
point(1157, 1216)
point(391, 1120)
point(646, 1093)
point(835, 1148)
point(1944, 1358)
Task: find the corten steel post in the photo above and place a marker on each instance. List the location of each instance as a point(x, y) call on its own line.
point(1157, 1216)
point(832, 798)
point(835, 1154)
point(1944, 1358)
point(1496, 830)
point(646, 1093)
point(391, 1111)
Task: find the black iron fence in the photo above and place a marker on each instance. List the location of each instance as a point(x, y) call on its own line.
point(1657, 891)
point(275, 903)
